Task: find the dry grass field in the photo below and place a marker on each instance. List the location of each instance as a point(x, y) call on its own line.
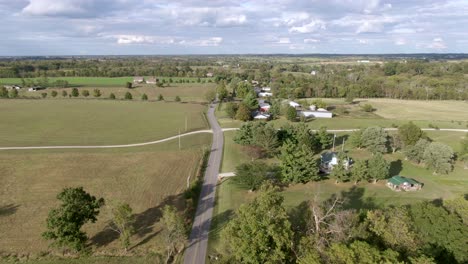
point(145, 177)
point(94, 122)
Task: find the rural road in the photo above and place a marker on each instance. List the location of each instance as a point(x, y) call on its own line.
point(198, 240)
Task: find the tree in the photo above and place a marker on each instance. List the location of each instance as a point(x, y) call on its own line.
point(291, 113)
point(174, 231)
point(112, 96)
point(243, 113)
point(245, 134)
point(359, 171)
point(339, 172)
point(64, 93)
point(122, 222)
point(324, 138)
point(367, 108)
point(231, 109)
point(242, 89)
point(260, 232)
point(160, 97)
point(128, 85)
point(144, 97)
point(410, 133)
point(250, 100)
point(355, 139)
point(360, 252)
point(64, 223)
point(438, 157)
point(3, 92)
point(128, 96)
point(210, 95)
point(252, 175)
point(54, 93)
point(395, 141)
point(44, 95)
point(379, 168)
point(266, 136)
point(222, 92)
point(177, 99)
point(275, 109)
point(75, 92)
point(375, 139)
point(297, 164)
point(85, 93)
point(14, 93)
point(416, 153)
point(97, 93)
point(464, 151)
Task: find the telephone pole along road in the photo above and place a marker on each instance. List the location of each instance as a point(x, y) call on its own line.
point(198, 241)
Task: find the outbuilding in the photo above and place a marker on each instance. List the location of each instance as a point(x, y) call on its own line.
point(294, 104)
point(316, 114)
point(400, 183)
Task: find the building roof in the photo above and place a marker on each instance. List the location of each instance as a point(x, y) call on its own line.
point(398, 180)
point(328, 156)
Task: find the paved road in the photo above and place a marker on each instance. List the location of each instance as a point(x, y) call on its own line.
point(198, 241)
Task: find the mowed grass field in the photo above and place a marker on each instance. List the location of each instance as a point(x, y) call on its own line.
point(94, 122)
point(145, 177)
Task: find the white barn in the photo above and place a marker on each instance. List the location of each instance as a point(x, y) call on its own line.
point(317, 114)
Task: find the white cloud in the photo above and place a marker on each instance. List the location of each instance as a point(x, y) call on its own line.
point(284, 41)
point(400, 42)
point(209, 42)
point(437, 43)
point(310, 40)
point(311, 26)
point(142, 39)
point(370, 27)
point(363, 41)
point(296, 47)
point(56, 8)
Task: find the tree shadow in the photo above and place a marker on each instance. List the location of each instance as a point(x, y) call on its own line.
point(354, 199)
point(219, 221)
point(396, 167)
point(8, 209)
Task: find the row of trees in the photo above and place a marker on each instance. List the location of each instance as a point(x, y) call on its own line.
point(64, 223)
point(331, 232)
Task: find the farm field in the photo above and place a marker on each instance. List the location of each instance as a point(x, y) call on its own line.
point(145, 177)
point(95, 81)
point(364, 195)
point(94, 122)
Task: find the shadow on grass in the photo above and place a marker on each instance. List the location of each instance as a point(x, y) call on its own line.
point(354, 199)
point(396, 167)
point(8, 209)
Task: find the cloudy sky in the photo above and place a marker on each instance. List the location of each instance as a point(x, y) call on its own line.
point(90, 27)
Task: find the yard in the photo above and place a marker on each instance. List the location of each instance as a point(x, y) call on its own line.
point(89, 122)
point(145, 177)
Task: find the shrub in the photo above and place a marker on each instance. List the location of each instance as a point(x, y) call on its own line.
point(291, 113)
point(44, 95)
point(160, 97)
point(129, 85)
point(54, 93)
point(112, 96)
point(128, 96)
point(64, 93)
point(13, 93)
point(75, 92)
point(144, 97)
point(97, 93)
point(85, 93)
point(177, 99)
point(367, 108)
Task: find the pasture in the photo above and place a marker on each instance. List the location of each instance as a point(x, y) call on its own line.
point(94, 122)
point(145, 177)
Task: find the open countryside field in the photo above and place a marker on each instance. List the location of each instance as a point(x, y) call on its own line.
point(94, 122)
point(145, 177)
point(96, 81)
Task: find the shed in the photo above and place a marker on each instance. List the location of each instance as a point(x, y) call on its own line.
point(261, 116)
point(138, 79)
point(400, 183)
point(317, 114)
point(265, 94)
point(294, 104)
point(152, 80)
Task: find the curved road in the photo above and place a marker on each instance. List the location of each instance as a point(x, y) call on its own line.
point(198, 240)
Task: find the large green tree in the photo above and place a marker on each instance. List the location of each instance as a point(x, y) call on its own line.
point(174, 231)
point(375, 139)
point(260, 232)
point(122, 222)
point(410, 133)
point(379, 168)
point(355, 139)
point(297, 164)
point(438, 157)
point(359, 171)
point(64, 223)
point(251, 175)
point(339, 172)
point(324, 139)
point(243, 113)
point(415, 152)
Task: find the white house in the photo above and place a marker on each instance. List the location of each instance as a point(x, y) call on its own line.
point(265, 94)
point(266, 89)
point(294, 104)
point(313, 107)
point(317, 114)
point(261, 116)
point(151, 80)
point(36, 88)
point(138, 79)
point(11, 87)
point(330, 159)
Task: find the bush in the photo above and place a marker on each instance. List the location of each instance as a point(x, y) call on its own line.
point(75, 92)
point(64, 93)
point(177, 99)
point(128, 96)
point(367, 108)
point(97, 93)
point(112, 96)
point(85, 93)
point(44, 95)
point(129, 85)
point(291, 113)
point(160, 97)
point(144, 97)
point(13, 93)
point(54, 93)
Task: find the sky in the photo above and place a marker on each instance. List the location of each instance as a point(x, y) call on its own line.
point(139, 27)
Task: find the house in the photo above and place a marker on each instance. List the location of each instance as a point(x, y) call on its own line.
point(138, 79)
point(294, 104)
point(261, 116)
point(265, 94)
point(266, 89)
point(329, 159)
point(11, 87)
point(400, 183)
point(152, 80)
point(35, 88)
point(264, 107)
point(209, 74)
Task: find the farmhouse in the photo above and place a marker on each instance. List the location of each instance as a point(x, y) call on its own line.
point(152, 80)
point(36, 88)
point(400, 183)
point(330, 159)
point(138, 79)
point(319, 113)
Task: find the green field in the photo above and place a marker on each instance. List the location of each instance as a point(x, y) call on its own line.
point(94, 81)
point(145, 177)
point(89, 122)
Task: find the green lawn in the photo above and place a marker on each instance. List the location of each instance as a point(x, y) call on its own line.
point(145, 177)
point(88, 122)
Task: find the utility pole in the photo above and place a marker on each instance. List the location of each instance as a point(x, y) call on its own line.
point(342, 146)
point(186, 123)
point(179, 139)
point(334, 137)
